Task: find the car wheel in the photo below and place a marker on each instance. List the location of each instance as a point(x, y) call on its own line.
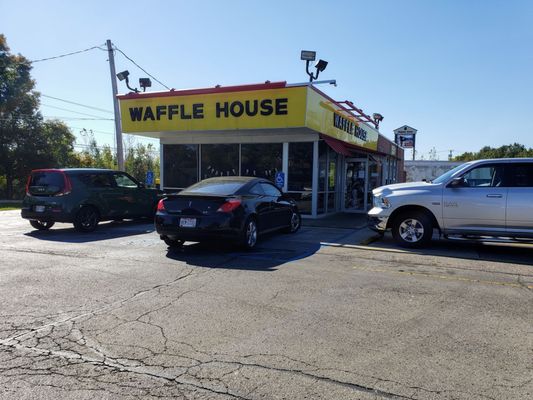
point(249, 234)
point(86, 219)
point(41, 225)
point(413, 229)
point(295, 222)
point(173, 243)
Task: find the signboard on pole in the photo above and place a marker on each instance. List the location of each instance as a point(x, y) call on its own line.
point(405, 136)
point(280, 179)
point(149, 178)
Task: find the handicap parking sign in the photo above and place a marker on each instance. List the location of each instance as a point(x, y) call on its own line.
point(280, 179)
point(149, 178)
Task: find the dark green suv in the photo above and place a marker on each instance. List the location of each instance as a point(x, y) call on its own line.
point(84, 197)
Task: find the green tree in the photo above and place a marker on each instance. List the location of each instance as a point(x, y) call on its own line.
point(140, 159)
point(26, 142)
point(507, 151)
point(95, 156)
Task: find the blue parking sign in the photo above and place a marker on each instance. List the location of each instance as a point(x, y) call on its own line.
point(149, 178)
point(280, 179)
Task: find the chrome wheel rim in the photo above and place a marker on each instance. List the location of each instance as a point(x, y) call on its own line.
point(295, 222)
point(411, 230)
point(251, 234)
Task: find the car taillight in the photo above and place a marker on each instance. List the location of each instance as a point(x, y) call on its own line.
point(229, 206)
point(161, 206)
point(28, 186)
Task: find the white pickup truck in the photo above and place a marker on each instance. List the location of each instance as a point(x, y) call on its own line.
point(488, 199)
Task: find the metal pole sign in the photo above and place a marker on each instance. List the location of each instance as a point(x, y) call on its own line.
point(405, 136)
point(280, 179)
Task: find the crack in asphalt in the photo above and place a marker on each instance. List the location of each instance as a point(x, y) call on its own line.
point(115, 305)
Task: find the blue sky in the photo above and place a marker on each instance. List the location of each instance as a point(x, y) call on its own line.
point(461, 72)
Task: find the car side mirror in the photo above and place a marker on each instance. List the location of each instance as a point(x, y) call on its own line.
point(457, 183)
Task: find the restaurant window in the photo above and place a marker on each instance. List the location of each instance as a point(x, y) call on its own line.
point(219, 160)
point(180, 165)
point(300, 166)
point(300, 179)
point(322, 176)
point(263, 160)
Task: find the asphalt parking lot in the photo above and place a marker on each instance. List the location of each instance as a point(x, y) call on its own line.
point(316, 315)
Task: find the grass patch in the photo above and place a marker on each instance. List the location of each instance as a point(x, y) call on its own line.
point(4, 206)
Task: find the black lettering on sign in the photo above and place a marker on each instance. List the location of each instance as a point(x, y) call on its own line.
point(236, 109)
point(160, 110)
point(222, 109)
point(183, 114)
point(198, 111)
point(249, 110)
point(172, 110)
point(281, 106)
point(350, 127)
point(266, 107)
point(148, 114)
point(361, 133)
point(136, 113)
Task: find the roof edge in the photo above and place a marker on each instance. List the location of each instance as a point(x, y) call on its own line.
point(217, 89)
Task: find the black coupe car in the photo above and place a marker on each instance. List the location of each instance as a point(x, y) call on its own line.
point(233, 208)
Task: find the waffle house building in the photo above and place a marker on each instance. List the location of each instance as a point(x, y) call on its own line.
point(327, 155)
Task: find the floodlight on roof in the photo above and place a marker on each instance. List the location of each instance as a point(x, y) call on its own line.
point(144, 83)
point(123, 75)
point(308, 55)
point(320, 66)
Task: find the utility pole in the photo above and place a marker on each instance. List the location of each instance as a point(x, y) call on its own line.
point(118, 126)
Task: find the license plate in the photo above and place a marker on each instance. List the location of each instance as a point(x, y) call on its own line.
point(187, 222)
point(39, 208)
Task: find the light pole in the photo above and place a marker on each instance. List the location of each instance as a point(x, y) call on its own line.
point(320, 66)
point(118, 126)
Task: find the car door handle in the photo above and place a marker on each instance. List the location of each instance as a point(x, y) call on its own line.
point(496, 196)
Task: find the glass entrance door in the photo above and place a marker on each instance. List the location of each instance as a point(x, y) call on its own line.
point(355, 184)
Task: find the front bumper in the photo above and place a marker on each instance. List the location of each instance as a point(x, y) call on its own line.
point(378, 224)
point(378, 219)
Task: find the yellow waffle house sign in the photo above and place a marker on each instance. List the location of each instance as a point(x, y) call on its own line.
point(265, 106)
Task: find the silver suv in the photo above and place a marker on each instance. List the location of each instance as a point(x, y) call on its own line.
point(485, 198)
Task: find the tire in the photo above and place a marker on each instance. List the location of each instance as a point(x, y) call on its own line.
point(41, 225)
point(173, 243)
point(295, 222)
point(86, 219)
point(412, 229)
point(249, 234)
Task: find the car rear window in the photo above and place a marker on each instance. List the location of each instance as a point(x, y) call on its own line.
point(46, 182)
point(222, 188)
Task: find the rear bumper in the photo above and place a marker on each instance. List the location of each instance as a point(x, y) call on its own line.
point(49, 215)
point(207, 227)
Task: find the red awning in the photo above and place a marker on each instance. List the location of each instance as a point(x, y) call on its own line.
point(338, 145)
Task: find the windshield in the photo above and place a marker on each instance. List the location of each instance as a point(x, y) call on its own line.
point(444, 177)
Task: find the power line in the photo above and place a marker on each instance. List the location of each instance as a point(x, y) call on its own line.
point(106, 132)
point(141, 68)
point(68, 54)
point(72, 111)
point(77, 119)
point(77, 104)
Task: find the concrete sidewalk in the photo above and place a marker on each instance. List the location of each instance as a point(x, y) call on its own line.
point(338, 220)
